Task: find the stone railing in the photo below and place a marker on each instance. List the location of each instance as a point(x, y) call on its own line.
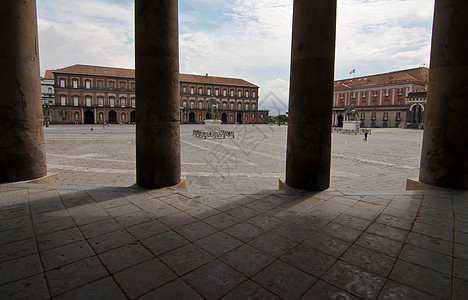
point(219, 134)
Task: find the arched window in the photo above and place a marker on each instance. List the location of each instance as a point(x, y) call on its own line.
point(246, 106)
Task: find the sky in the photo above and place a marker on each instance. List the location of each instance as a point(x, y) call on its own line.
point(248, 39)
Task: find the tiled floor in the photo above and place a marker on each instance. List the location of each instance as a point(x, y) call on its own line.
point(118, 243)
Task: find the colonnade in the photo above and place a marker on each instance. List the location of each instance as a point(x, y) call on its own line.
point(444, 159)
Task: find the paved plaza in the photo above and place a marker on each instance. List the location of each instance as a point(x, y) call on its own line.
point(231, 234)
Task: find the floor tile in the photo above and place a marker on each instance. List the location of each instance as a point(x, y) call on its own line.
point(393, 290)
point(111, 241)
point(341, 232)
point(250, 290)
point(71, 276)
point(54, 226)
point(186, 259)
point(272, 244)
point(19, 268)
point(99, 228)
point(326, 244)
point(460, 289)
point(29, 288)
point(177, 220)
point(322, 290)
point(370, 260)
point(353, 222)
point(102, 289)
point(247, 260)
point(355, 280)
point(388, 232)
point(242, 212)
point(17, 249)
point(64, 255)
point(176, 289)
point(124, 257)
point(196, 231)
point(460, 269)
point(422, 279)
point(219, 243)
point(214, 280)
point(164, 242)
point(140, 279)
point(148, 229)
point(284, 280)
point(59, 238)
point(293, 232)
point(380, 244)
point(265, 221)
point(426, 242)
point(221, 221)
point(428, 259)
point(133, 219)
point(309, 260)
point(244, 231)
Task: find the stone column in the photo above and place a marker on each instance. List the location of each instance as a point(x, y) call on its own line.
point(22, 150)
point(157, 93)
point(311, 94)
point(444, 157)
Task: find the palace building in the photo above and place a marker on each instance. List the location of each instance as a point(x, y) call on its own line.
point(395, 99)
point(93, 94)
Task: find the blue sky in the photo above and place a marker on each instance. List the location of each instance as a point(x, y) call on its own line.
point(249, 39)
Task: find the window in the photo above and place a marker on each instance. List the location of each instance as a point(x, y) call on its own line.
point(88, 100)
point(192, 104)
point(386, 102)
point(122, 101)
point(200, 91)
point(373, 116)
point(184, 103)
point(75, 100)
point(200, 105)
point(100, 101)
point(132, 86)
point(363, 102)
point(232, 93)
point(184, 89)
point(111, 101)
point(398, 116)
point(50, 90)
point(62, 83)
point(341, 103)
point(400, 101)
point(387, 93)
point(363, 116)
point(63, 113)
point(364, 94)
point(400, 92)
point(133, 102)
point(341, 96)
point(63, 100)
point(232, 106)
point(253, 106)
point(216, 92)
point(224, 92)
point(111, 85)
point(192, 91)
point(253, 94)
point(75, 84)
point(246, 93)
point(224, 105)
point(261, 116)
point(239, 106)
point(385, 116)
point(375, 93)
point(88, 84)
point(99, 84)
point(208, 91)
point(101, 116)
point(122, 85)
point(246, 106)
point(239, 93)
point(353, 95)
point(374, 102)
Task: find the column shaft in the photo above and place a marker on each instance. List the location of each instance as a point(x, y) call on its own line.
point(157, 91)
point(311, 94)
point(22, 150)
point(444, 157)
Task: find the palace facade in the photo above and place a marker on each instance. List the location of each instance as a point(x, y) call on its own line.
point(93, 94)
point(395, 99)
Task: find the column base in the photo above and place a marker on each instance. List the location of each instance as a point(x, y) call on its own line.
point(182, 184)
point(50, 178)
point(413, 184)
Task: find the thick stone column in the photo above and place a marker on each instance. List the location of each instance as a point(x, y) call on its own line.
point(22, 150)
point(157, 92)
point(311, 94)
point(444, 158)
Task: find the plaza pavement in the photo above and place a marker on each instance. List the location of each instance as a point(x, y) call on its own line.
point(231, 234)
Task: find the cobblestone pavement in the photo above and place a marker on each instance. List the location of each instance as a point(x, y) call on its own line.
point(70, 242)
point(253, 160)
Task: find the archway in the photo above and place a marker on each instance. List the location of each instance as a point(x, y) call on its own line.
point(207, 116)
point(239, 118)
point(133, 116)
point(224, 118)
point(112, 117)
point(89, 117)
point(340, 121)
point(192, 117)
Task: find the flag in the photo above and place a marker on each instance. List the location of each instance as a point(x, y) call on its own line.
point(352, 71)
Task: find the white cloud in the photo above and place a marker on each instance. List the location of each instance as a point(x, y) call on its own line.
point(250, 39)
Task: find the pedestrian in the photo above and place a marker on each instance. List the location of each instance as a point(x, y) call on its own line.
point(91, 128)
point(365, 135)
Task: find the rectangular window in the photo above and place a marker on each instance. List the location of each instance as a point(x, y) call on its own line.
point(184, 103)
point(375, 93)
point(208, 91)
point(224, 105)
point(192, 91)
point(63, 100)
point(132, 86)
point(62, 83)
point(253, 106)
point(75, 100)
point(133, 102)
point(400, 92)
point(200, 91)
point(364, 94)
point(122, 102)
point(232, 93)
point(224, 92)
point(200, 105)
point(363, 116)
point(239, 93)
point(112, 102)
point(385, 116)
point(122, 85)
point(99, 85)
point(246, 93)
point(398, 116)
point(246, 107)
point(111, 85)
point(101, 101)
point(192, 104)
point(75, 84)
point(239, 106)
point(253, 94)
point(232, 106)
point(88, 101)
point(88, 84)
point(217, 92)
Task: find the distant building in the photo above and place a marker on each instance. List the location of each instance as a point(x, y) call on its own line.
point(93, 94)
point(383, 100)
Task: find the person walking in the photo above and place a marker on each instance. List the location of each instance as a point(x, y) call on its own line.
point(365, 135)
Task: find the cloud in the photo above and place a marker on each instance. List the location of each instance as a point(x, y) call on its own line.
point(250, 39)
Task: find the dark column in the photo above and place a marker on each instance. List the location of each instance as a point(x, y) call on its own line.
point(157, 91)
point(311, 94)
point(22, 150)
point(444, 157)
